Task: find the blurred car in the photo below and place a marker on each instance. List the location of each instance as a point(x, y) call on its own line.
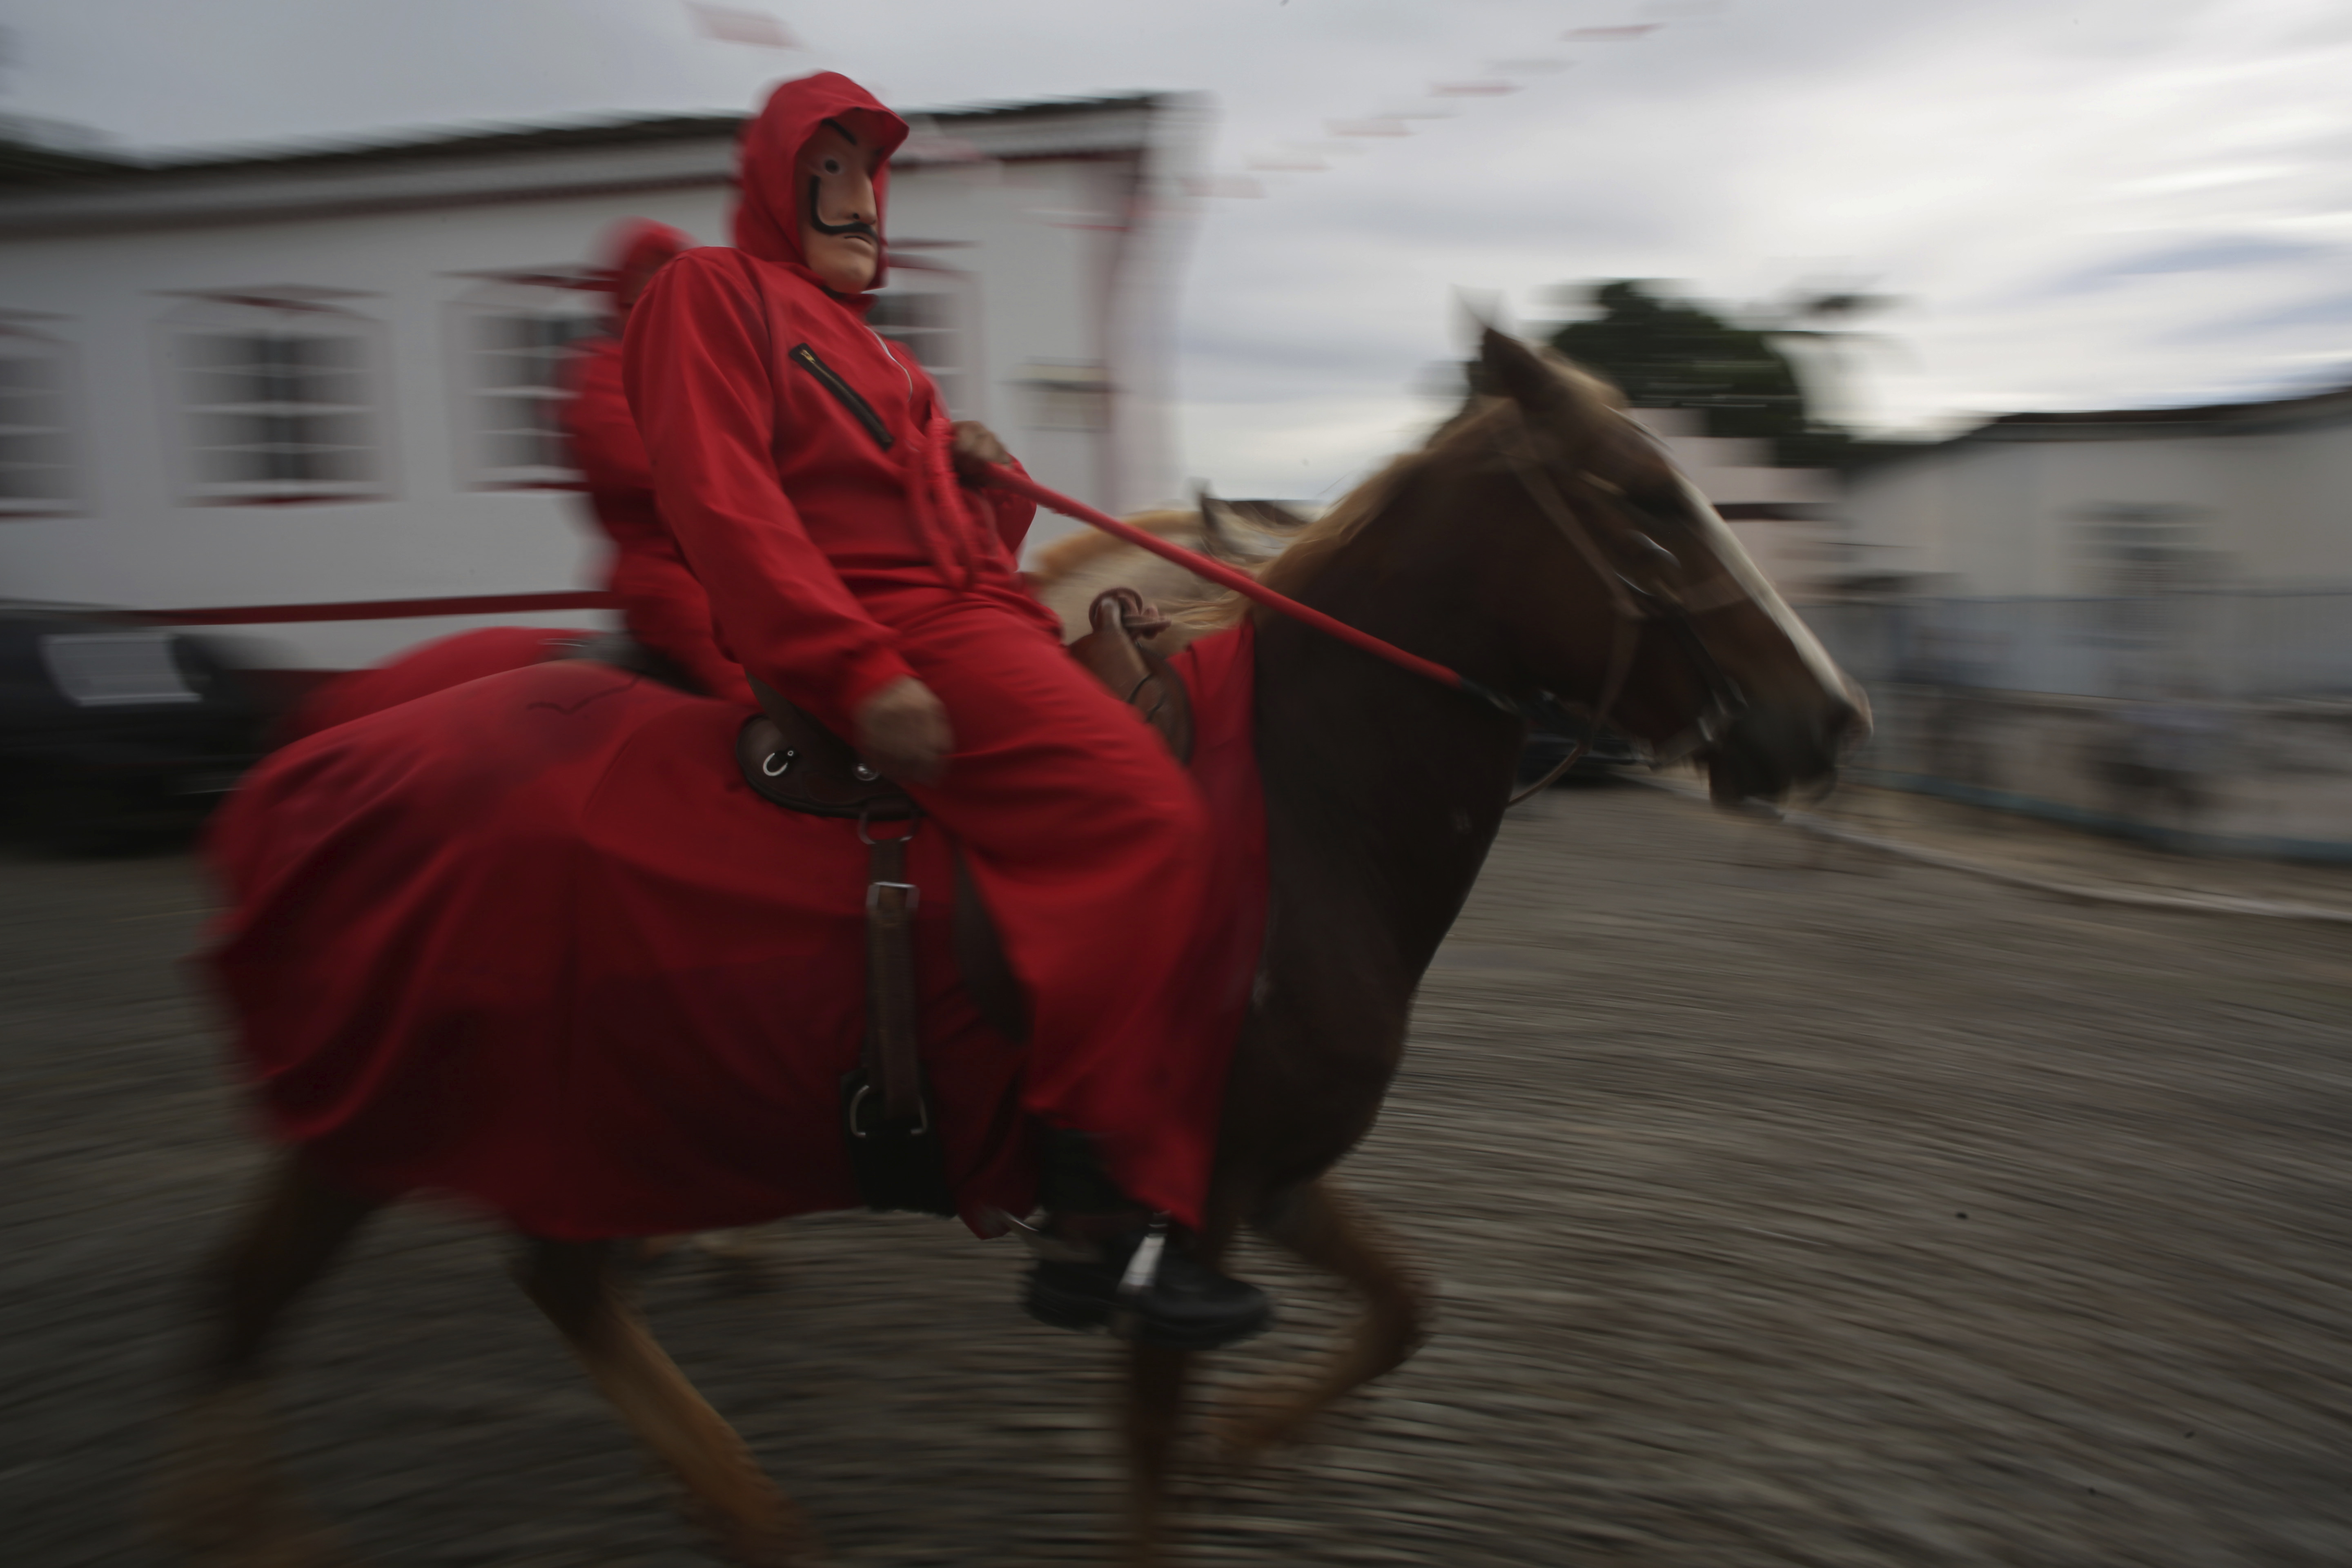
point(111, 728)
point(1556, 732)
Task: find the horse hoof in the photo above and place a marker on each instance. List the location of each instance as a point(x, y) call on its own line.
point(744, 1244)
point(785, 1542)
point(255, 1530)
point(1252, 1422)
point(260, 1533)
point(765, 1550)
point(220, 1500)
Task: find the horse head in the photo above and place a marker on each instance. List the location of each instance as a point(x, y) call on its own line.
point(1613, 585)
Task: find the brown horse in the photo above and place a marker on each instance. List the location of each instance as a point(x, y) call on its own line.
point(1540, 542)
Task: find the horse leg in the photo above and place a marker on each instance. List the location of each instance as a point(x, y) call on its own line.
point(1155, 1380)
point(1153, 1407)
point(573, 1283)
point(221, 1497)
point(1322, 1227)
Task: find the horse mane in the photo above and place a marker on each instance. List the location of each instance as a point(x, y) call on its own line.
point(1074, 551)
point(1591, 430)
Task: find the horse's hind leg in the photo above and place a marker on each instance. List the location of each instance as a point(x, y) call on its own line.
point(573, 1283)
point(220, 1496)
point(1325, 1227)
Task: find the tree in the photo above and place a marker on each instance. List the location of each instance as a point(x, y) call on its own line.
point(1665, 353)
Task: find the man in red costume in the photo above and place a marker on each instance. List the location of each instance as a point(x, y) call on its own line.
point(663, 606)
point(810, 476)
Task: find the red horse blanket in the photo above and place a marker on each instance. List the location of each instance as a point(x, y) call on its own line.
point(435, 666)
point(531, 941)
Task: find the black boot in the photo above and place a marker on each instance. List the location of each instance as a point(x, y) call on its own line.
point(1134, 1278)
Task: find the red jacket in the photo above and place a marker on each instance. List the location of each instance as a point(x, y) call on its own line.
point(801, 459)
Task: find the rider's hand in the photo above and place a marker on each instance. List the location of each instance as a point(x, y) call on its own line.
point(902, 731)
point(974, 448)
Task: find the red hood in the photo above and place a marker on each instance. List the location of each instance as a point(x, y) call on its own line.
point(767, 217)
point(631, 252)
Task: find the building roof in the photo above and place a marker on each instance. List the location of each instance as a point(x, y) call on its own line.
point(2258, 417)
point(2209, 418)
point(43, 190)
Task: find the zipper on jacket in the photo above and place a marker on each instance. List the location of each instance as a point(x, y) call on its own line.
point(842, 393)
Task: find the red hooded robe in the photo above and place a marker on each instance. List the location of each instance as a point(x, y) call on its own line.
point(661, 603)
point(802, 462)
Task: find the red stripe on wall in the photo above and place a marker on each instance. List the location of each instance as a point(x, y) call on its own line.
point(378, 609)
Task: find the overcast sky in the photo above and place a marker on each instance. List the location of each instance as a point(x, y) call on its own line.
point(2108, 203)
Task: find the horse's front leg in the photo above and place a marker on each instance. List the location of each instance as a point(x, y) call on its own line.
point(574, 1284)
point(1154, 1408)
point(1155, 1380)
point(1325, 1227)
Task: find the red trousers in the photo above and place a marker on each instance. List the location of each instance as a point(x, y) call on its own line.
point(1086, 838)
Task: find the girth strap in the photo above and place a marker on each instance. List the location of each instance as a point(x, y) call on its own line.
point(895, 1155)
point(893, 1066)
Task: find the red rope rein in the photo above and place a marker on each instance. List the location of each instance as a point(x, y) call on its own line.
point(1244, 584)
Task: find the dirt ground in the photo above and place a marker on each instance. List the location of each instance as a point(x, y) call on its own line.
point(1788, 1205)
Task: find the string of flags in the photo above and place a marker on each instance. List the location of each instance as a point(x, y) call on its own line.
point(1345, 136)
point(1355, 136)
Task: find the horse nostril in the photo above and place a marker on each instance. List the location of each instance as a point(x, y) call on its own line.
point(1843, 726)
point(1853, 723)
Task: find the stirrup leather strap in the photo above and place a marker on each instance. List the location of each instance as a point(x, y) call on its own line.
point(893, 1066)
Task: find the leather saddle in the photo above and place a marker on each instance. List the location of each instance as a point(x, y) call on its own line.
point(790, 759)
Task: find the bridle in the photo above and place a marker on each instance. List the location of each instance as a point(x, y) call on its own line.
point(1632, 605)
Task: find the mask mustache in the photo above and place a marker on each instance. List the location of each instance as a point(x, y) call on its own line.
point(854, 226)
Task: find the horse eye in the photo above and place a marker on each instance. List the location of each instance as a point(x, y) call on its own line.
point(833, 166)
point(1654, 552)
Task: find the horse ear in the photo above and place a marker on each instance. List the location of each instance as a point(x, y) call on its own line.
point(1216, 525)
point(1514, 370)
point(1236, 532)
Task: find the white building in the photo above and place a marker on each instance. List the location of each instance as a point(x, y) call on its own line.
point(2255, 495)
point(320, 385)
point(2138, 621)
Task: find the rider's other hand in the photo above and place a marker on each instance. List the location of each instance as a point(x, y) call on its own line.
point(976, 447)
point(902, 731)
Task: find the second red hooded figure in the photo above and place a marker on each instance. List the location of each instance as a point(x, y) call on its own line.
point(662, 605)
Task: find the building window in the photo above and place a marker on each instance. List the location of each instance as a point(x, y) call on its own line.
point(1067, 394)
point(928, 311)
point(37, 470)
point(278, 398)
point(2136, 550)
point(512, 336)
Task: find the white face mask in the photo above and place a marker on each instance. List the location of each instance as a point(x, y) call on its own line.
point(840, 217)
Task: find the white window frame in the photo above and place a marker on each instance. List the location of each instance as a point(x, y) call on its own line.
point(952, 353)
point(340, 415)
point(1069, 394)
point(491, 383)
point(19, 341)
